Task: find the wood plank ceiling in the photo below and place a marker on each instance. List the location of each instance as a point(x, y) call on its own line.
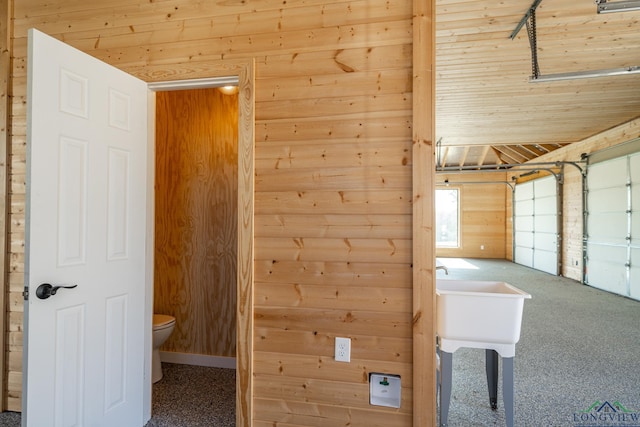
point(487, 111)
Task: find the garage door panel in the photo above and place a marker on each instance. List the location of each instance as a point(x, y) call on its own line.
point(608, 200)
point(545, 187)
point(612, 173)
point(524, 208)
point(609, 227)
point(634, 166)
point(545, 206)
point(545, 242)
point(634, 274)
point(524, 223)
point(524, 191)
point(607, 253)
point(524, 256)
point(546, 224)
point(635, 196)
point(524, 239)
point(545, 261)
point(606, 268)
point(610, 277)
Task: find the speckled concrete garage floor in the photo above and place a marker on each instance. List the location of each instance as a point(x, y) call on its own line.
point(194, 396)
point(578, 346)
point(10, 419)
point(187, 396)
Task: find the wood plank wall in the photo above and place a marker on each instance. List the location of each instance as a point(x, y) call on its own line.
point(197, 219)
point(483, 215)
point(333, 180)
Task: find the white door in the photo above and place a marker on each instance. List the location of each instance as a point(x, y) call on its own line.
point(86, 217)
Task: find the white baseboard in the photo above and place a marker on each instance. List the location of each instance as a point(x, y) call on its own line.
point(198, 359)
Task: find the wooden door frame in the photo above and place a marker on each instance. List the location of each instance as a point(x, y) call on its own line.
point(424, 281)
point(193, 77)
point(5, 141)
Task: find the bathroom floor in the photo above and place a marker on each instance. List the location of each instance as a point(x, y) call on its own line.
point(187, 396)
point(194, 396)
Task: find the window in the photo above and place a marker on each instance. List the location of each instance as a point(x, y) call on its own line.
point(447, 222)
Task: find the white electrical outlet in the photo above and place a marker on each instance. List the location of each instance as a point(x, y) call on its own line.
point(343, 349)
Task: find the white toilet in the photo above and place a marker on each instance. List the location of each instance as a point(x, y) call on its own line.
point(162, 328)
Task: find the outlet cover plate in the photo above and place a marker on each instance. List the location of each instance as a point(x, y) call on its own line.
point(343, 349)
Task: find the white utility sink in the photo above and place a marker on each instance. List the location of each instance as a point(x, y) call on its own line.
point(479, 314)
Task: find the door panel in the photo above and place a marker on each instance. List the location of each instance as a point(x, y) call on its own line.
point(69, 364)
point(72, 197)
point(86, 221)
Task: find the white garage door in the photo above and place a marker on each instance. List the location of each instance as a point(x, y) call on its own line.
point(613, 225)
point(536, 225)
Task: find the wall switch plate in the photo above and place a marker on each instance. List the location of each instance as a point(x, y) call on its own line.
point(343, 349)
point(384, 390)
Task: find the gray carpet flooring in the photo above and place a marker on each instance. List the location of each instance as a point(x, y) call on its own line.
point(579, 350)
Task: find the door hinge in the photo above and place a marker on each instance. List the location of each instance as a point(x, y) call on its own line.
point(25, 294)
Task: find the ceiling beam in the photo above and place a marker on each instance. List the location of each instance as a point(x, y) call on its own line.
point(465, 153)
point(500, 153)
point(544, 148)
point(444, 157)
point(483, 156)
point(530, 149)
point(523, 152)
point(514, 154)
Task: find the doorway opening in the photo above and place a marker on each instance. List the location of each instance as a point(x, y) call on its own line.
point(236, 339)
point(196, 229)
point(196, 223)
